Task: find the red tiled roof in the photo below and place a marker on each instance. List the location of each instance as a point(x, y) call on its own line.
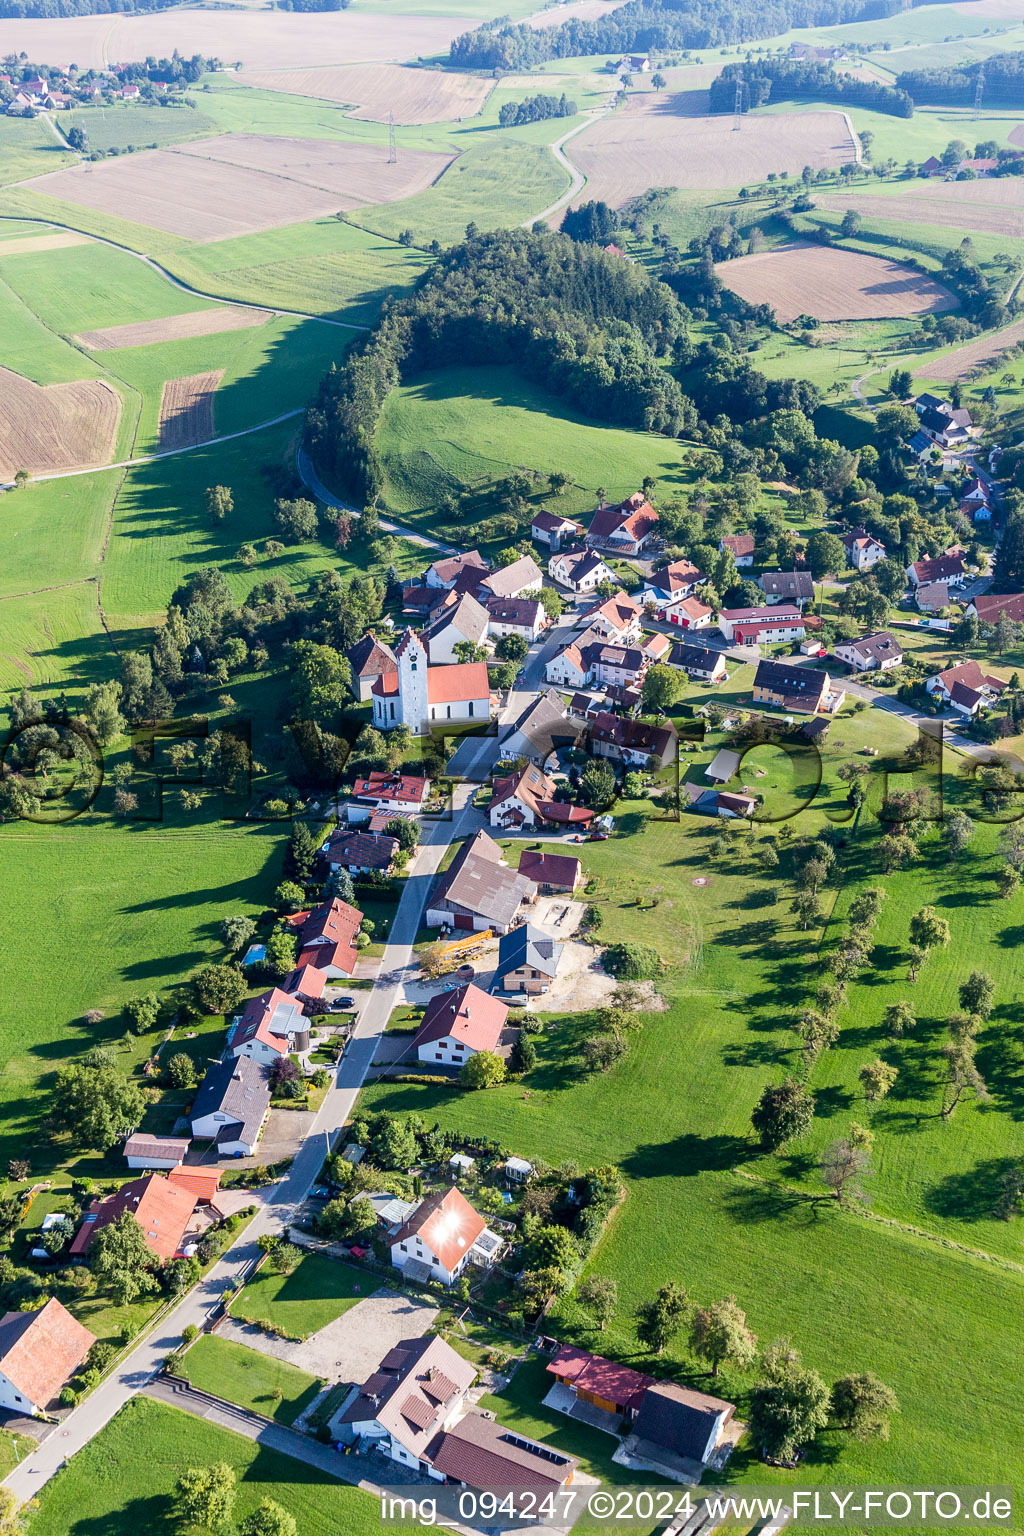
point(559, 811)
point(635, 516)
point(529, 784)
point(406, 787)
point(468, 1015)
point(162, 1210)
point(305, 981)
point(329, 936)
point(550, 868)
point(739, 543)
point(990, 605)
point(483, 1454)
point(616, 1383)
point(39, 1350)
point(446, 1224)
point(454, 685)
point(201, 1182)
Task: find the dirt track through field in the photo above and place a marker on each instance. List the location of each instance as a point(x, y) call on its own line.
point(198, 322)
point(958, 363)
point(413, 95)
point(59, 426)
point(186, 409)
point(806, 279)
point(655, 142)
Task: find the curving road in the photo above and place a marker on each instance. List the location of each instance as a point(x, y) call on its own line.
point(577, 177)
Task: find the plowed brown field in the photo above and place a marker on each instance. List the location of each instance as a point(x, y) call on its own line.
point(353, 173)
point(414, 95)
point(959, 209)
point(804, 279)
point(61, 426)
point(186, 409)
point(198, 322)
point(958, 363)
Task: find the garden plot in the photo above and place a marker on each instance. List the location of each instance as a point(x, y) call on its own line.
point(413, 95)
point(196, 322)
point(186, 410)
point(805, 279)
point(655, 143)
point(59, 426)
point(354, 174)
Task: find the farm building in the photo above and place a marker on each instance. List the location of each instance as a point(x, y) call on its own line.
point(448, 572)
point(478, 890)
point(617, 1389)
point(155, 1151)
point(723, 766)
point(555, 874)
point(676, 1426)
point(442, 1236)
point(457, 1024)
point(479, 1453)
point(992, 606)
point(38, 1352)
point(626, 529)
point(231, 1106)
point(553, 530)
point(420, 696)
point(581, 570)
point(880, 652)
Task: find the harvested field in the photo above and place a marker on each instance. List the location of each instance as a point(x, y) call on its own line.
point(186, 410)
point(23, 245)
point(805, 279)
point(414, 95)
point(61, 426)
point(575, 10)
point(197, 199)
point(256, 39)
point(948, 213)
point(354, 174)
point(973, 354)
point(198, 322)
point(655, 142)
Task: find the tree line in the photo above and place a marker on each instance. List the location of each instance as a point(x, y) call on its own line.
point(956, 85)
point(533, 109)
point(786, 79)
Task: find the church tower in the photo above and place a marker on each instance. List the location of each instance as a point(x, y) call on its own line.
point(414, 710)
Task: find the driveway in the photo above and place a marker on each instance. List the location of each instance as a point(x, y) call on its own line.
point(350, 1348)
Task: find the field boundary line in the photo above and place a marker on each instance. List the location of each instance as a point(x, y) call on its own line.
point(58, 586)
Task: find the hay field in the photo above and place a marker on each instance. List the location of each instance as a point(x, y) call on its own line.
point(198, 322)
point(186, 409)
point(57, 426)
point(254, 39)
point(805, 279)
point(973, 354)
point(24, 245)
point(197, 199)
point(414, 95)
point(354, 174)
point(948, 213)
point(654, 143)
point(575, 10)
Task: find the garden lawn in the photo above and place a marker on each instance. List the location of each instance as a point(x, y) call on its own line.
point(316, 1292)
point(123, 1481)
point(250, 1378)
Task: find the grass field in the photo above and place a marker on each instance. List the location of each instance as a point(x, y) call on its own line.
point(705, 1208)
point(86, 287)
point(94, 1494)
point(313, 1295)
point(29, 148)
point(250, 1378)
point(135, 126)
point(470, 426)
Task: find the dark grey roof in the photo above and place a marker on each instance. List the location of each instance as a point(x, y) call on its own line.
point(545, 725)
point(239, 1088)
point(881, 646)
point(527, 945)
point(791, 682)
point(476, 880)
point(696, 658)
point(678, 1419)
point(788, 583)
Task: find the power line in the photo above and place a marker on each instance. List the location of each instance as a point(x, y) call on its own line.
point(979, 91)
point(737, 111)
point(392, 148)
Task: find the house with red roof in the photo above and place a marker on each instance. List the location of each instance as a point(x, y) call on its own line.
point(741, 547)
point(603, 1383)
point(369, 659)
point(327, 937)
point(361, 853)
point(448, 571)
point(38, 1352)
point(966, 688)
point(163, 1211)
point(619, 618)
point(990, 607)
point(456, 1025)
point(555, 874)
point(769, 625)
point(671, 585)
point(383, 790)
point(626, 529)
point(947, 567)
point(515, 799)
point(863, 550)
point(442, 1237)
point(422, 697)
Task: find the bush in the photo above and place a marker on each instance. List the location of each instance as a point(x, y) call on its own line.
point(632, 962)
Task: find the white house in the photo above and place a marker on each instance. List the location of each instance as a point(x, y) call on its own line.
point(794, 587)
point(142, 1151)
point(417, 1391)
point(522, 576)
point(619, 618)
point(769, 625)
point(965, 688)
point(947, 567)
point(880, 652)
point(553, 530)
point(231, 1106)
point(421, 696)
point(456, 1025)
point(863, 550)
point(698, 661)
point(38, 1352)
point(442, 1237)
point(523, 616)
point(464, 621)
point(740, 545)
point(670, 586)
point(581, 570)
point(516, 800)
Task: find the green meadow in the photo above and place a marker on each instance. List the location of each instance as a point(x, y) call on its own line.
point(135, 126)
point(29, 148)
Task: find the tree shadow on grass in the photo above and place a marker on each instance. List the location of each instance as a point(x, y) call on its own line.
point(971, 1194)
point(154, 1515)
point(832, 1100)
point(751, 1203)
point(688, 1155)
point(1011, 937)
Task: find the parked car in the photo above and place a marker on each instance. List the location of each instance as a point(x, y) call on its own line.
point(340, 1004)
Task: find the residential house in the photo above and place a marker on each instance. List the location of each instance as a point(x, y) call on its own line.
point(553, 530)
point(796, 688)
point(327, 937)
point(670, 585)
point(39, 1351)
point(740, 545)
point(691, 613)
point(976, 501)
point(932, 596)
point(232, 1105)
point(369, 659)
point(514, 798)
point(697, 661)
point(863, 550)
point(418, 1388)
point(581, 570)
point(965, 688)
point(425, 602)
point(162, 1210)
point(948, 567)
point(522, 576)
point(794, 587)
point(422, 696)
point(555, 874)
point(558, 813)
point(619, 618)
point(523, 616)
point(927, 402)
point(762, 626)
point(443, 1236)
point(361, 853)
point(543, 727)
point(141, 1151)
point(479, 1453)
point(447, 571)
point(626, 529)
point(633, 742)
point(879, 652)
point(590, 661)
point(725, 803)
point(456, 1025)
point(274, 1023)
point(657, 647)
point(528, 961)
point(388, 790)
point(478, 890)
point(992, 606)
point(203, 1183)
point(943, 428)
point(130, 93)
point(462, 622)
